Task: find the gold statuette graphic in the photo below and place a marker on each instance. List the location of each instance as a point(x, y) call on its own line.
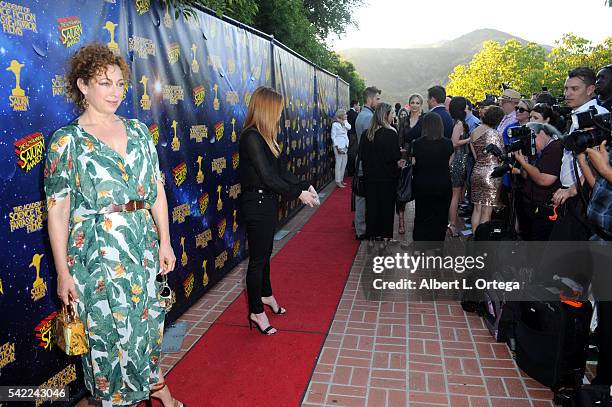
point(19, 100)
point(234, 225)
point(145, 100)
point(1, 289)
point(176, 143)
point(39, 288)
point(219, 201)
point(195, 67)
point(233, 130)
point(216, 101)
point(200, 175)
point(205, 278)
point(184, 254)
point(112, 45)
point(167, 17)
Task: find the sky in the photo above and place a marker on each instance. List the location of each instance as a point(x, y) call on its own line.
point(408, 23)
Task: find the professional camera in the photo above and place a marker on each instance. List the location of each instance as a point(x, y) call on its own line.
point(592, 129)
point(522, 139)
point(506, 159)
point(559, 108)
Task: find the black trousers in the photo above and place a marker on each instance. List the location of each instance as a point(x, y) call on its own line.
point(431, 214)
point(380, 207)
point(259, 212)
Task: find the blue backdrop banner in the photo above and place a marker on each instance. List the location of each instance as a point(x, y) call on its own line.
point(190, 83)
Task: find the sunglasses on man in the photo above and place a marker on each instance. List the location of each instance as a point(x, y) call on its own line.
point(521, 110)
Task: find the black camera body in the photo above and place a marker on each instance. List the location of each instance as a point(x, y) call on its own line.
point(592, 128)
point(522, 139)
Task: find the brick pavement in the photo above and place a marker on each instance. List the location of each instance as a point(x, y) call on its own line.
point(391, 354)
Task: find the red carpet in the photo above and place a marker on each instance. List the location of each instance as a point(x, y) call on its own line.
point(230, 366)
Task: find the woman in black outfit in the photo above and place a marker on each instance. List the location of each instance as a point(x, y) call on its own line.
point(380, 154)
point(431, 182)
point(409, 130)
point(264, 177)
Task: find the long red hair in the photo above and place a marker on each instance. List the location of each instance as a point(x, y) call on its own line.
point(264, 113)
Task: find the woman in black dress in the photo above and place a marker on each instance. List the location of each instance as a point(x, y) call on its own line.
point(409, 130)
point(380, 154)
point(264, 176)
point(431, 182)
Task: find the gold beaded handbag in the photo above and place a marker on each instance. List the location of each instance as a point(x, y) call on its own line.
point(70, 332)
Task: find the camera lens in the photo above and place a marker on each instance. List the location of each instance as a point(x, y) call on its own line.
point(580, 140)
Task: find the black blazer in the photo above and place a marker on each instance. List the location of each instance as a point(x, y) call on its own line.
point(351, 117)
point(260, 169)
point(447, 120)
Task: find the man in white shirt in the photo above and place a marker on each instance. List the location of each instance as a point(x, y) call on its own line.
point(579, 90)
point(508, 102)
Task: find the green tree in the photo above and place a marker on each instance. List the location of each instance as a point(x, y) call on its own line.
point(288, 21)
point(519, 65)
point(526, 67)
point(241, 10)
point(331, 16)
point(346, 70)
point(571, 52)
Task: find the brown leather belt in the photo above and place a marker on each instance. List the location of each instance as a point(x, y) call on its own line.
point(127, 207)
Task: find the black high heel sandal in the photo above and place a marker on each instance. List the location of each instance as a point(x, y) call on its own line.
point(262, 331)
point(279, 311)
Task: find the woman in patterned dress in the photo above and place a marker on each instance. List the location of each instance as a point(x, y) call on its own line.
point(486, 190)
point(458, 165)
point(109, 233)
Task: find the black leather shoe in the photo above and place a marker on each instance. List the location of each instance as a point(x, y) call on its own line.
point(360, 237)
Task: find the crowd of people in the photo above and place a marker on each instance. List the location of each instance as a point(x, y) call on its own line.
point(452, 149)
point(460, 153)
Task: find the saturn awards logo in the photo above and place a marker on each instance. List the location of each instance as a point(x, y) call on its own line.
point(30, 150)
point(70, 30)
point(18, 99)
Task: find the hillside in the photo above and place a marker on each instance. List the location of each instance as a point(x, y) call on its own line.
point(400, 72)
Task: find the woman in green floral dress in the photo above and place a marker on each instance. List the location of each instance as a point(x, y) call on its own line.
point(108, 227)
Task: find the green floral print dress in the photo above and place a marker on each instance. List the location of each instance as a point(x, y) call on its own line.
point(113, 258)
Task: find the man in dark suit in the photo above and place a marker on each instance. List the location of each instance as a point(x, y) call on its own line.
point(436, 96)
point(352, 151)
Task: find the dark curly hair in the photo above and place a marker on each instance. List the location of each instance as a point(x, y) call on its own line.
point(88, 62)
point(493, 116)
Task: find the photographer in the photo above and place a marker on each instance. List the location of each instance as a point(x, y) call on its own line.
point(570, 225)
point(541, 180)
point(603, 87)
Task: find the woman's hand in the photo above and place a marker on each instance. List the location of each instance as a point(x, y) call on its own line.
point(307, 198)
point(66, 289)
point(167, 260)
point(401, 163)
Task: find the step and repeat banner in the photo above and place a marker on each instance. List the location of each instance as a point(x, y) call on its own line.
point(190, 83)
